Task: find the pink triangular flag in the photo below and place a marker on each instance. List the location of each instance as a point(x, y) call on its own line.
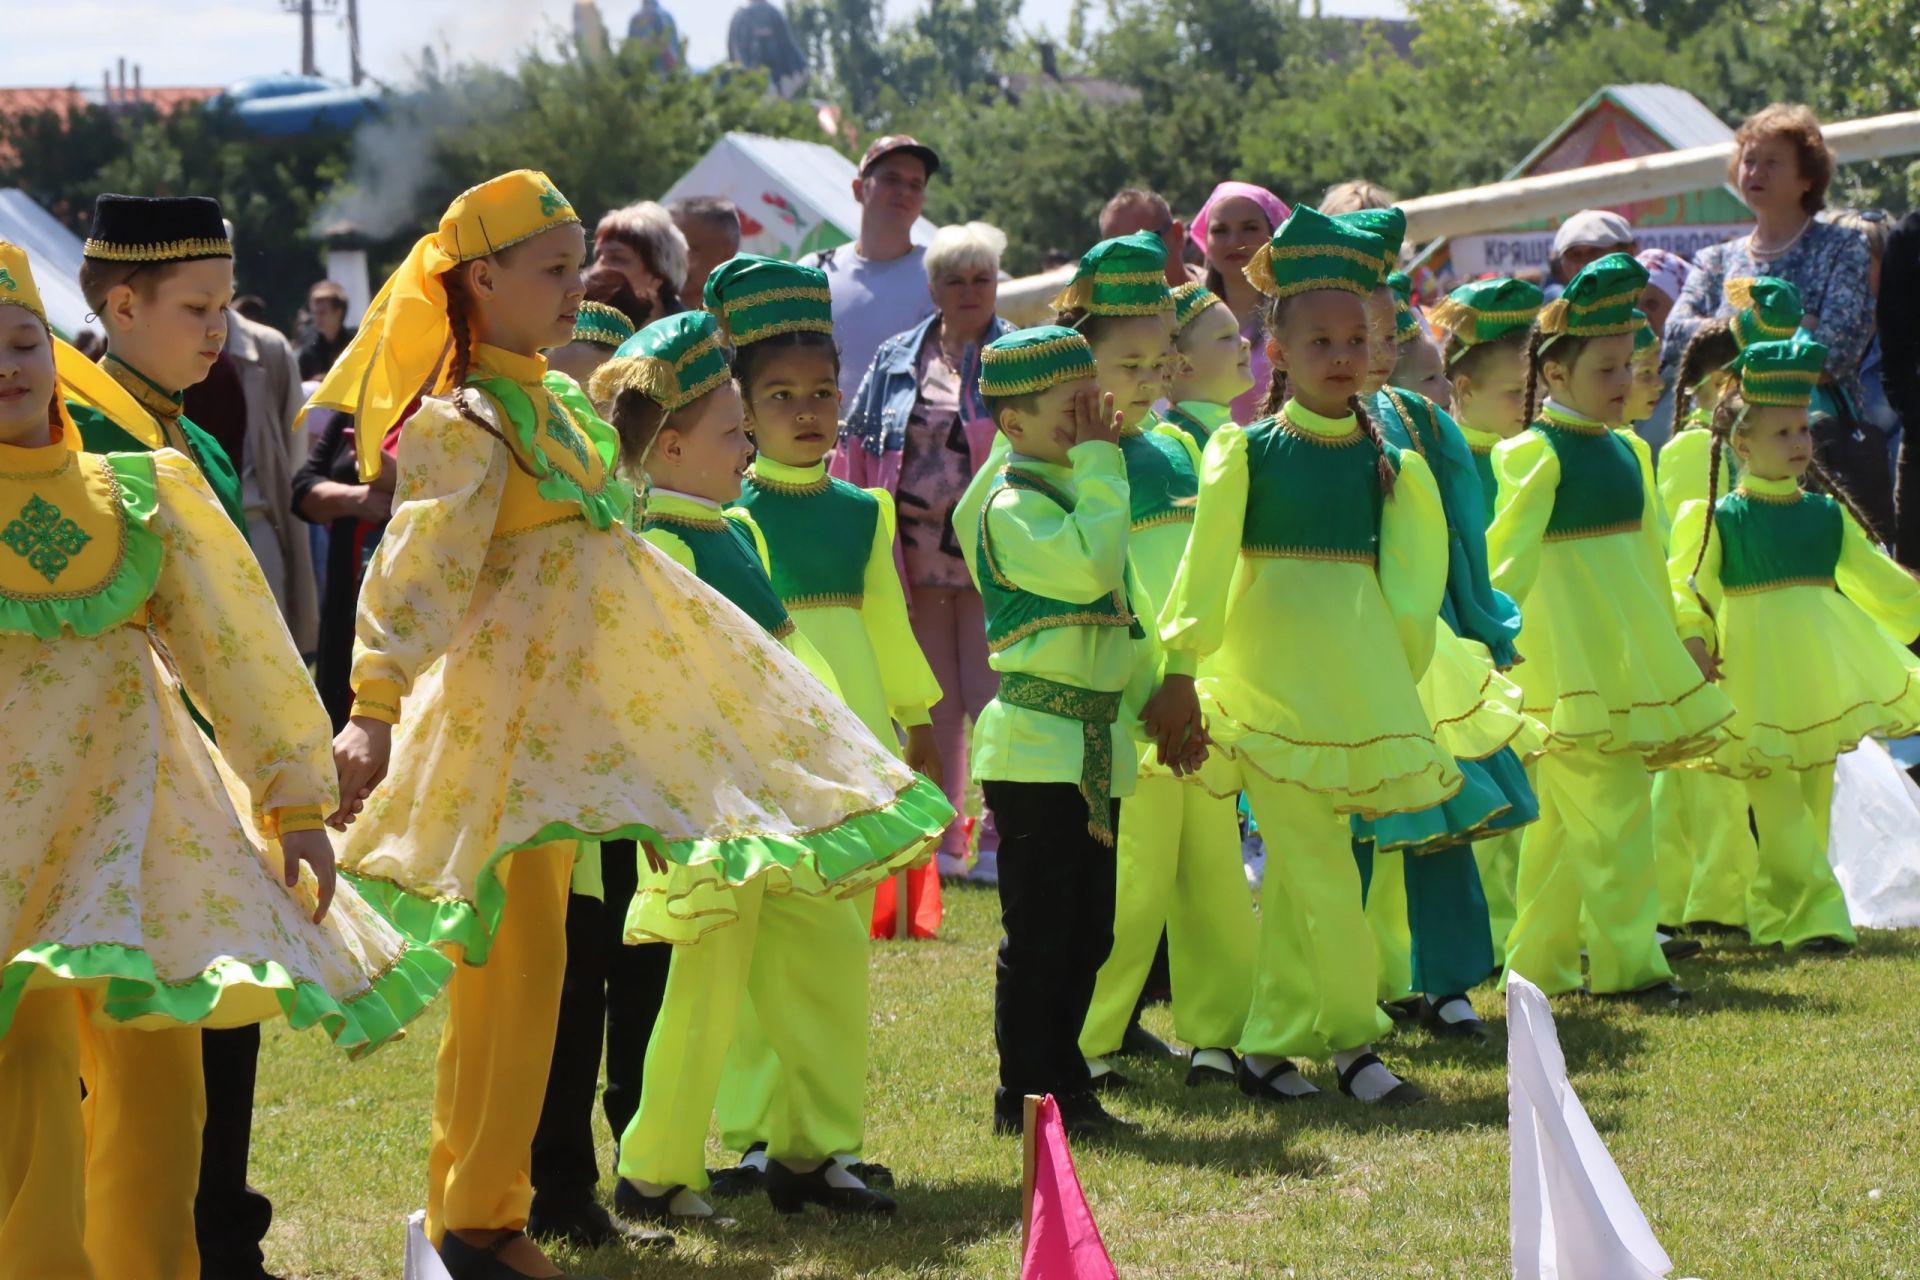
point(1062, 1241)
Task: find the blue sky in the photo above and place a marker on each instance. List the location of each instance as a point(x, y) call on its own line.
point(215, 42)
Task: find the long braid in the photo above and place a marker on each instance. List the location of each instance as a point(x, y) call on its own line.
point(459, 305)
point(1534, 340)
point(1271, 312)
point(1829, 484)
point(1383, 466)
point(1726, 419)
point(1710, 348)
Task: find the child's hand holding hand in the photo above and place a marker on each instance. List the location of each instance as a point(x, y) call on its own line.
point(923, 757)
point(314, 849)
point(1172, 718)
point(1709, 664)
point(360, 756)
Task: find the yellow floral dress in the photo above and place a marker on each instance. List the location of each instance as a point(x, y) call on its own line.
point(553, 676)
point(141, 864)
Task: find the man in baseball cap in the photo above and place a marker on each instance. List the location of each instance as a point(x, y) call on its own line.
point(879, 282)
point(1586, 237)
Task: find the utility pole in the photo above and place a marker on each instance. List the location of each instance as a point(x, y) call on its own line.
point(307, 67)
point(353, 41)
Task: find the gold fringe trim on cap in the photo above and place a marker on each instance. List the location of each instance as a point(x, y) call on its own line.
point(798, 324)
point(1075, 296)
point(166, 251)
point(1294, 288)
point(1259, 271)
point(1293, 252)
point(1739, 291)
point(1600, 304)
point(795, 293)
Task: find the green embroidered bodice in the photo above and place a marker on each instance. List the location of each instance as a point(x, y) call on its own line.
point(1312, 497)
point(819, 537)
point(1161, 480)
point(1013, 613)
point(1768, 541)
point(1600, 489)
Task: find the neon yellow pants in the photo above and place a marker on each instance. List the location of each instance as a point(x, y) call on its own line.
point(1592, 849)
point(803, 962)
point(495, 1052)
point(1387, 918)
point(1178, 866)
point(1314, 983)
point(1795, 897)
point(1499, 862)
point(102, 1188)
point(1704, 846)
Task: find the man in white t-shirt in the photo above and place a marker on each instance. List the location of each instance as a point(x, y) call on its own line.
point(879, 282)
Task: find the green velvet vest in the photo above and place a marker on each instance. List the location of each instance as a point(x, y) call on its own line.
point(1600, 491)
point(1014, 614)
point(1195, 429)
point(1312, 498)
point(726, 558)
point(818, 539)
point(1768, 542)
point(1160, 479)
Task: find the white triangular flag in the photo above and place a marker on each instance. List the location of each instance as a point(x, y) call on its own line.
point(423, 1260)
point(1573, 1217)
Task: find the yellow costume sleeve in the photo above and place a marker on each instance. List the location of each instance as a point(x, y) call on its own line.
point(1529, 475)
point(452, 476)
point(1079, 556)
point(1683, 471)
point(1886, 592)
point(905, 676)
point(1186, 441)
point(1194, 619)
point(1696, 595)
point(1413, 558)
point(674, 545)
point(216, 617)
point(745, 517)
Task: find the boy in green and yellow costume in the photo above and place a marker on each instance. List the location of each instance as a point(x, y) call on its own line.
point(1577, 542)
point(1213, 362)
point(777, 1000)
point(1310, 591)
point(1178, 853)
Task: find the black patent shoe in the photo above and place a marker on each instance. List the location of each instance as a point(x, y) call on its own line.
point(465, 1261)
point(635, 1205)
point(872, 1173)
point(1082, 1116)
point(1261, 1086)
point(1681, 948)
point(1463, 1029)
point(742, 1179)
point(1827, 946)
point(792, 1192)
point(1139, 1042)
point(1403, 1094)
point(1201, 1073)
point(1407, 1010)
point(589, 1226)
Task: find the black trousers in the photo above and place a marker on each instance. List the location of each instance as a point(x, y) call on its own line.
point(1056, 912)
point(230, 1218)
point(607, 984)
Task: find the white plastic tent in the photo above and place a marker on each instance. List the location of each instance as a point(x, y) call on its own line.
point(56, 254)
point(794, 197)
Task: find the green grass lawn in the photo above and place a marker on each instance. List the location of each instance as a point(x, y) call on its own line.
point(1753, 1130)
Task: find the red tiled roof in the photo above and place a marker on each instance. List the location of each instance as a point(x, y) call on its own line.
point(161, 98)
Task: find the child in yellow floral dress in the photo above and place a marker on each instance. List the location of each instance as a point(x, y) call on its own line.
point(138, 901)
point(537, 675)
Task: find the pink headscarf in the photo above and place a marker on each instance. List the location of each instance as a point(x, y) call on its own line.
point(1272, 205)
point(1666, 271)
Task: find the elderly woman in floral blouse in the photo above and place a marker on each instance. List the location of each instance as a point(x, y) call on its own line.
point(1781, 167)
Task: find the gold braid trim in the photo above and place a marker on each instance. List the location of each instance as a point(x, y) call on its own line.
point(1294, 252)
point(1602, 303)
point(1598, 531)
point(1299, 432)
point(844, 600)
point(716, 524)
point(1783, 499)
point(796, 293)
point(1038, 625)
point(1272, 551)
point(782, 631)
point(163, 251)
point(1777, 584)
point(121, 520)
point(1179, 515)
point(1097, 308)
point(812, 488)
point(1294, 288)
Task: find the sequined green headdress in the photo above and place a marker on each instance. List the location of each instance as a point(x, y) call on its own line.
point(1029, 361)
point(1781, 373)
point(1644, 338)
point(1405, 326)
point(1125, 276)
point(1311, 252)
point(756, 298)
point(1769, 309)
point(672, 362)
point(1488, 310)
point(1390, 225)
point(1189, 300)
point(1599, 303)
point(602, 325)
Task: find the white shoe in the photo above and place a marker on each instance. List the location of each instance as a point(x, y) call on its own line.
point(986, 867)
point(952, 865)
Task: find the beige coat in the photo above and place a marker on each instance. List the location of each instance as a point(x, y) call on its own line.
point(270, 380)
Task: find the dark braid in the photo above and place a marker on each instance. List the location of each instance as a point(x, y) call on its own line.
point(1711, 348)
point(1828, 483)
point(1726, 420)
point(1383, 466)
point(459, 319)
point(1272, 312)
point(1534, 339)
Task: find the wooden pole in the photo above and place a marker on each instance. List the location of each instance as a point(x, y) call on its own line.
point(1029, 1154)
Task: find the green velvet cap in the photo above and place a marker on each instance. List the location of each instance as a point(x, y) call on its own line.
point(755, 297)
point(672, 362)
point(1311, 251)
point(1487, 310)
point(1781, 373)
point(599, 323)
point(1644, 338)
point(1125, 276)
point(1189, 300)
point(1405, 326)
point(1027, 361)
point(1769, 309)
point(1601, 302)
point(1389, 224)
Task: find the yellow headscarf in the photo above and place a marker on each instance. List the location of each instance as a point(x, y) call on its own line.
point(17, 289)
point(401, 347)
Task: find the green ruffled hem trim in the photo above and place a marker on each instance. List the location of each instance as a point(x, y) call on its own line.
point(840, 861)
point(359, 1024)
point(133, 581)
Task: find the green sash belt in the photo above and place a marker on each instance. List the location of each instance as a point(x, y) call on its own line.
point(1096, 713)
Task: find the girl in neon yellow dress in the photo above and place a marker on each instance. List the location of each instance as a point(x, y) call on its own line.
point(1576, 541)
point(1310, 589)
point(538, 675)
point(149, 887)
point(1804, 620)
